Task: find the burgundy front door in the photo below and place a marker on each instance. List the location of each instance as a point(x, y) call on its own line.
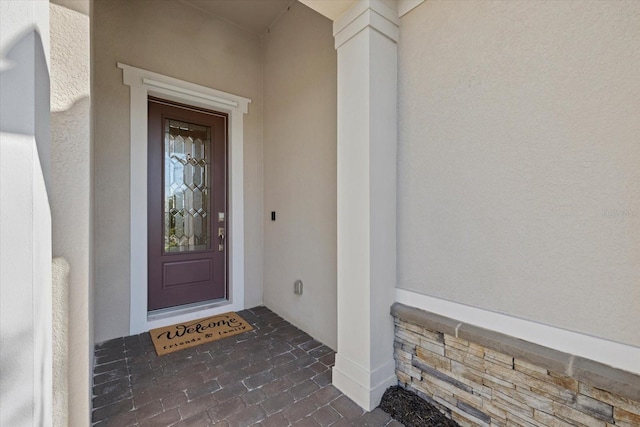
point(187, 204)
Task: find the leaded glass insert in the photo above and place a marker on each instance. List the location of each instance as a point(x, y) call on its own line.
point(187, 148)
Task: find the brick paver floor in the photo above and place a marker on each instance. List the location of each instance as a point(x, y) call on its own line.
point(275, 375)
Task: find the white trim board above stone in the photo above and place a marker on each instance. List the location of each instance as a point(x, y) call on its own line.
point(601, 376)
point(610, 353)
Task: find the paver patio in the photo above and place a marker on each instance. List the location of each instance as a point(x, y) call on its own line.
point(275, 375)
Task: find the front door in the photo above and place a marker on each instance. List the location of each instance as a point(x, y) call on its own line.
point(187, 205)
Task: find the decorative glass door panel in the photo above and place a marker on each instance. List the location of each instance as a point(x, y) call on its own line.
point(186, 202)
point(186, 186)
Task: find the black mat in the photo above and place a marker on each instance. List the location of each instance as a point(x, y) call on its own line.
point(411, 410)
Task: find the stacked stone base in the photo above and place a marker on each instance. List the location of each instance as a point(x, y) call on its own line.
point(500, 381)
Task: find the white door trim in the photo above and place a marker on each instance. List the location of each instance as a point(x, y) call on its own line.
point(142, 84)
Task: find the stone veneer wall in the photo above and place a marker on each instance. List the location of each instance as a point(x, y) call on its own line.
point(483, 378)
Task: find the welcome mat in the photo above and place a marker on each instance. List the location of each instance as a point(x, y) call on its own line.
point(190, 334)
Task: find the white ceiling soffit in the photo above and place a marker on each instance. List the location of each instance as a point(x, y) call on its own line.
point(332, 9)
point(252, 15)
point(257, 15)
point(80, 6)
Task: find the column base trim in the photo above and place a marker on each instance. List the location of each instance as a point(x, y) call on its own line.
point(361, 385)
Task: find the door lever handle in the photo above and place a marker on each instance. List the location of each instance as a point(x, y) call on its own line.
point(221, 235)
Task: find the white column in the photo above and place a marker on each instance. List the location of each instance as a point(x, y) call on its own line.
point(366, 39)
point(25, 218)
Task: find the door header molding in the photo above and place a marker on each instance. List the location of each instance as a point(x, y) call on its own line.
point(144, 83)
point(183, 90)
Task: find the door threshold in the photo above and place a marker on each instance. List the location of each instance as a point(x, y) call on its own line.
point(164, 313)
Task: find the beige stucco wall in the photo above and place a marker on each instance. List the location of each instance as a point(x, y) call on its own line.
point(170, 38)
point(300, 171)
point(518, 154)
point(71, 202)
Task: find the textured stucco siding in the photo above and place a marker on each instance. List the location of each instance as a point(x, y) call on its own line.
point(519, 186)
point(72, 201)
point(300, 171)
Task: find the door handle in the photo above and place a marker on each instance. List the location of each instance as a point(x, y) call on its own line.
point(221, 236)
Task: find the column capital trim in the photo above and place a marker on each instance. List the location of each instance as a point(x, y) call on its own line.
point(366, 13)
